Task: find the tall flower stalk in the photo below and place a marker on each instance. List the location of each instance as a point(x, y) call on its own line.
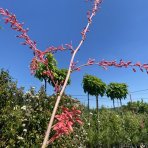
point(39, 56)
point(94, 10)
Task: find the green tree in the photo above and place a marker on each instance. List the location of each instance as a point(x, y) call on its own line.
point(59, 74)
point(137, 107)
point(52, 65)
point(117, 91)
point(93, 86)
point(8, 88)
point(5, 79)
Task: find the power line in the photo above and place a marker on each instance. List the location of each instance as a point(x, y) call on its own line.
point(78, 95)
point(105, 100)
point(139, 90)
point(105, 95)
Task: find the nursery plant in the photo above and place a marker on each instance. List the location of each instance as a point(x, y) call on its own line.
point(51, 64)
point(93, 86)
point(117, 91)
point(23, 118)
point(116, 130)
point(59, 74)
point(68, 117)
point(24, 115)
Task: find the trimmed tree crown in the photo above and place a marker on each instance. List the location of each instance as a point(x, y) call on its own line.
point(93, 85)
point(117, 90)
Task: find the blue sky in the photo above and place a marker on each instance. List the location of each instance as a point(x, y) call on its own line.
point(119, 31)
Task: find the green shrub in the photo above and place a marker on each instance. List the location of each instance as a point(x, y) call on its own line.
point(24, 118)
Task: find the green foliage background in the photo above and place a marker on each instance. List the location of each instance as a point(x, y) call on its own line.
point(24, 117)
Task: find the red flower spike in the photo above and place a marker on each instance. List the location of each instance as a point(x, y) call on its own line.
point(80, 122)
point(34, 65)
point(138, 64)
point(134, 69)
point(78, 69)
point(65, 122)
point(15, 25)
point(39, 55)
point(90, 61)
point(145, 66)
point(69, 46)
point(105, 64)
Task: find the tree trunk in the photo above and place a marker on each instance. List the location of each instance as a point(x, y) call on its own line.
point(97, 105)
point(88, 101)
point(45, 84)
point(120, 102)
point(97, 108)
point(114, 103)
point(88, 110)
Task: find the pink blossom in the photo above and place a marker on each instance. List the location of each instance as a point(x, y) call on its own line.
point(90, 61)
point(15, 25)
point(105, 64)
point(65, 122)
